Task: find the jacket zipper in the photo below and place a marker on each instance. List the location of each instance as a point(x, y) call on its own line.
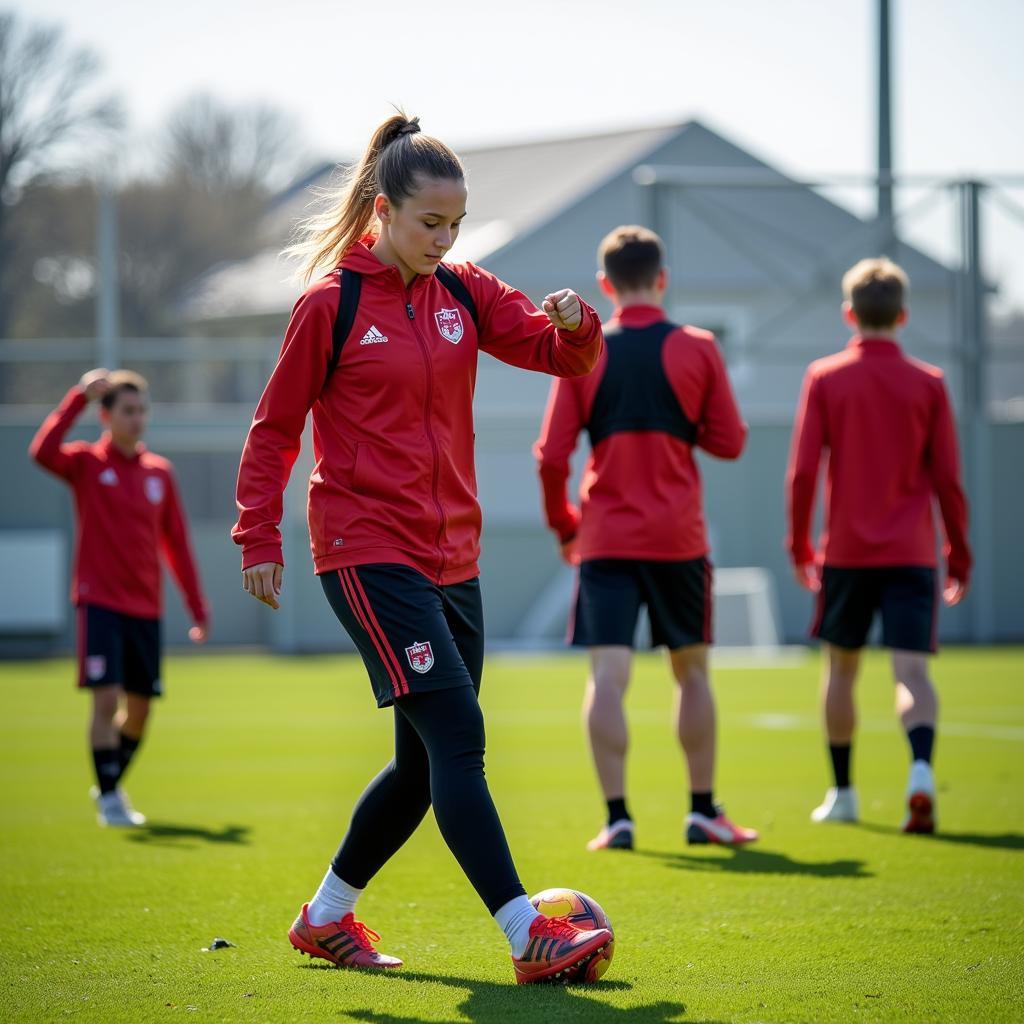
point(436, 469)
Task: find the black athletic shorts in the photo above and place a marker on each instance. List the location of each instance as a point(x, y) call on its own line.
point(115, 649)
point(906, 595)
point(413, 635)
point(612, 591)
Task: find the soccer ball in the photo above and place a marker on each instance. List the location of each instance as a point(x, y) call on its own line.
point(583, 912)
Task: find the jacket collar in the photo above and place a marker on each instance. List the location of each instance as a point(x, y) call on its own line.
point(362, 260)
point(869, 344)
point(640, 315)
point(112, 451)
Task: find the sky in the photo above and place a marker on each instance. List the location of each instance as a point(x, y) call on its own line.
point(793, 81)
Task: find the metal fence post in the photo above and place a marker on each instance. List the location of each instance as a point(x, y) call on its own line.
point(108, 319)
point(976, 427)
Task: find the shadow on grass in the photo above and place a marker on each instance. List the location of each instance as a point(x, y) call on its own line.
point(1006, 841)
point(490, 1002)
point(165, 833)
point(749, 860)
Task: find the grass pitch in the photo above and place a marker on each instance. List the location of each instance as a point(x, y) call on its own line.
point(253, 764)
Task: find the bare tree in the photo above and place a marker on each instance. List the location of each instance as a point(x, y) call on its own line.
point(45, 106)
point(222, 149)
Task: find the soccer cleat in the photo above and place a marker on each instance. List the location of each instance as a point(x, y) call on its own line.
point(920, 799)
point(114, 809)
point(558, 952)
point(616, 836)
point(138, 818)
point(702, 829)
point(838, 805)
point(345, 943)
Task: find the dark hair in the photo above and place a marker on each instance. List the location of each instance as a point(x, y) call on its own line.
point(631, 257)
point(394, 163)
point(877, 291)
point(121, 381)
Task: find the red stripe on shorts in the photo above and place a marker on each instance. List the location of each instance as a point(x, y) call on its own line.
point(364, 613)
point(361, 593)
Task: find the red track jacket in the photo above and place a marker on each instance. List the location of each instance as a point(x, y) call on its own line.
point(640, 497)
point(394, 479)
point(128, 511)
point(885, 420)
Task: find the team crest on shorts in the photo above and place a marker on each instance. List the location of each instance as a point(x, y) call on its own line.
point(449, 323)
point(154, 487)
point(421, 657)
point(95, 667)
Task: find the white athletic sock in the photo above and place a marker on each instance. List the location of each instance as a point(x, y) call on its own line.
point(333, 900)
point(514, 919)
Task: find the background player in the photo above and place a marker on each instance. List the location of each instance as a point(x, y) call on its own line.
point(128, 513)
point(885, 421)
point(659, 391)
point(394, 519)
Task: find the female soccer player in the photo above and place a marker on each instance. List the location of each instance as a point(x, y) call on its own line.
point(383, 349)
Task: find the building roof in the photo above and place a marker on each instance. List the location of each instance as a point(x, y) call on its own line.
point(515, 190)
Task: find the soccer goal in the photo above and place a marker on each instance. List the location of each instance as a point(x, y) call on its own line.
point(746, 613)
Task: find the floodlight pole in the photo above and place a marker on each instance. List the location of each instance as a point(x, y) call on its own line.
point(108, 320)
point(974, 410)
point(886, 223)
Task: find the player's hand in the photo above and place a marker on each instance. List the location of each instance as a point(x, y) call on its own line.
point(263, 581)
point(564, 309)
point(570, 552)
point(954, 591)
point(95, 383)
point(198, 634)
point(807, 576)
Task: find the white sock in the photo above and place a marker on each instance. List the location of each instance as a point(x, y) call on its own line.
point(514, 919)
point(333, 900)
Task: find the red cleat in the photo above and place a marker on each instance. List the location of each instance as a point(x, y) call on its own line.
point(345, 943)
point(558, 952)
point(702, 829)
point(618, 836)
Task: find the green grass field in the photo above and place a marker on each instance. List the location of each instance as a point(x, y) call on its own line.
point(252, 766)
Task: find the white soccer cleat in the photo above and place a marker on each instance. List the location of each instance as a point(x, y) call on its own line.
point(920, 799)
point(838, 805)
point(114, 810)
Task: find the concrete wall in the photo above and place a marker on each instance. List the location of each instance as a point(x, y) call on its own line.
point(744, 501)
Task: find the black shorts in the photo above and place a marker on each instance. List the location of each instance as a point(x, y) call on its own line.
point(906, 595)
point(413, 635)
point(115, 649)
point(612, 591)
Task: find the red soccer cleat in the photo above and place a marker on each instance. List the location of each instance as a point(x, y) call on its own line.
point(920, 800)
point(618, 836)
point(702, 829)
point(558, 952)
point(345, 943)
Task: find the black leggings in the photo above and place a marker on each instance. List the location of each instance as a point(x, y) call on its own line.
point(439, 759)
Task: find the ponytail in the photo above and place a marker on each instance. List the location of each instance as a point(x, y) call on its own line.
point(395, 158)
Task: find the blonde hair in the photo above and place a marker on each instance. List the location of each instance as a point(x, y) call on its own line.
point(877, 290)
point(395, 160)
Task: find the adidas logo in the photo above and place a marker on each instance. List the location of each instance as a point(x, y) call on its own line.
point(373, 337)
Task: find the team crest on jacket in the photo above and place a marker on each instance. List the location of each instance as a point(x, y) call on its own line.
point(154, 488)
point(449, 323)
point(420, 656)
